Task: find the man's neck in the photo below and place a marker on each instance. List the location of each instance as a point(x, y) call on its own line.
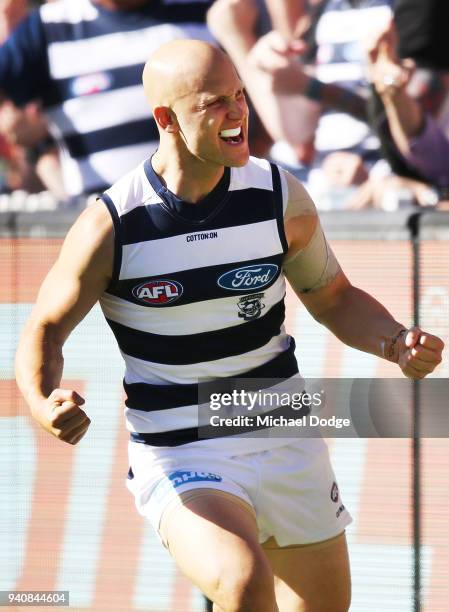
point(190, 182)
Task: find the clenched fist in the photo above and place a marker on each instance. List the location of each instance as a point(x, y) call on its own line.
point(60, 414)
point(419, 353)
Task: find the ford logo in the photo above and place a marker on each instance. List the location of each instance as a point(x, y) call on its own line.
point(248, 277)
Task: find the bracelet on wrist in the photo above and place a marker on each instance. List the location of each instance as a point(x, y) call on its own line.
point(393, 342)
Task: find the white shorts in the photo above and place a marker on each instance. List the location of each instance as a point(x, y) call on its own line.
point(291, 488)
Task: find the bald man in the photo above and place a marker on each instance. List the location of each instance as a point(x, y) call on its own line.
point(188, 256)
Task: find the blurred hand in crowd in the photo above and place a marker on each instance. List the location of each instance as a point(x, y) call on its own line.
point(21, 131)
point(344, 169)
point(386, 71)
point(411, 107)
point(292, 18)
point(385, 193)
point(49, 172)
point(22, 126)
point(290, 118)
point(278, 57)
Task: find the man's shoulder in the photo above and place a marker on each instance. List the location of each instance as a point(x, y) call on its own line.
point(255, 173)
point(130, 191)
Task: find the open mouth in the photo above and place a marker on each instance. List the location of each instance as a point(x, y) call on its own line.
point(232, 136)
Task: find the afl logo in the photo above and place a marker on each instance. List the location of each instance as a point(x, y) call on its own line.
point(248, 277)
point(158, 292)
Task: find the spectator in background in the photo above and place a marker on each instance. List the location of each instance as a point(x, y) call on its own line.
point(340, 145)
point(83, 60)
point(235, 24)
point(23, 134)
point(417, 135)
point(409, 106)
point(288, 100)
point(20, 129)
point(11, 13)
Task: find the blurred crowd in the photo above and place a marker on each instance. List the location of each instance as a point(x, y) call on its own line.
point(352, 96)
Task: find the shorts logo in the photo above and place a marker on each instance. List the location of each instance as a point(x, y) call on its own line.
point(248, 277)
point(181, 477)
point(340, 510)
point(250, 306)
point(158, 292)
point(334, 493)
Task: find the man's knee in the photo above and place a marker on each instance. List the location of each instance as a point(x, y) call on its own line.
point(246, 587)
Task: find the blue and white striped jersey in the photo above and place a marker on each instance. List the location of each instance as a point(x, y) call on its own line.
point(197, 293)
point(85, 63)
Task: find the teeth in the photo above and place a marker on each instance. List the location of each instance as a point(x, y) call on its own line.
point(230, 133)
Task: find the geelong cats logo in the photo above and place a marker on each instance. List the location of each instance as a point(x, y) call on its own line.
point(250, 306)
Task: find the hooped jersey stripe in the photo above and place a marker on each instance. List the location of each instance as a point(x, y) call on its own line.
point(148, 221)
point(186, 308)
point(153, 397)
point(189, 314)
point(204, 346)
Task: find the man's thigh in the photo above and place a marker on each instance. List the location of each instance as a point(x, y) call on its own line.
point(213, 537)
point(313, 577)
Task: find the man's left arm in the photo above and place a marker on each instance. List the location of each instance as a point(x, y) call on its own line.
point(351, 314)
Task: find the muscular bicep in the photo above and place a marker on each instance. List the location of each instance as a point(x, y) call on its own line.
point(309, 263)
point(300, 217)
point(79, 276)
point(324, 299)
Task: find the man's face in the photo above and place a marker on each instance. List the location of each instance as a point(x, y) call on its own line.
point(213, 118)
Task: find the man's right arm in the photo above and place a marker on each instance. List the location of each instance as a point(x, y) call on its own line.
point(76, 281)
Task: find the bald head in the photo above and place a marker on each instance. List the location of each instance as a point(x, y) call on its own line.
point(179, 68)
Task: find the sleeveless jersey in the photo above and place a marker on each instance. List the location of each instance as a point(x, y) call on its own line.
point(94, 100)
point(197, 293)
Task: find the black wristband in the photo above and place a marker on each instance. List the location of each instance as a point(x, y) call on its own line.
point(314, 89)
